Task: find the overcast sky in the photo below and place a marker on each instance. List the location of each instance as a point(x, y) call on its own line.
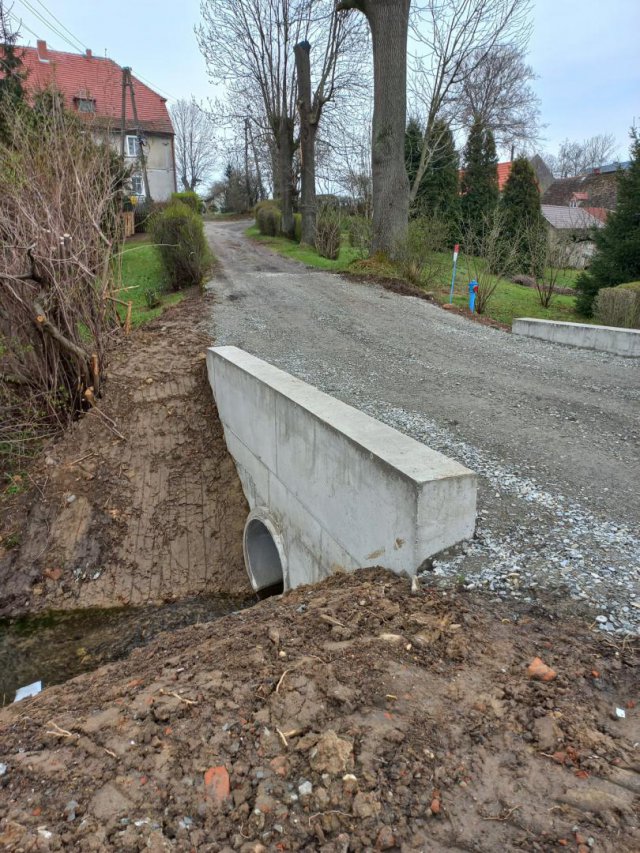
point(584, 51)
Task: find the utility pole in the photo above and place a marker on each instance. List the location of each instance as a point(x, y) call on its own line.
point(128, 82)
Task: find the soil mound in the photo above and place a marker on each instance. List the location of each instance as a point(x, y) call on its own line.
point(350, 716)
point(138, 502)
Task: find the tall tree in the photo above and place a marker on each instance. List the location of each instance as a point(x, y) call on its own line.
point(194, 141)
point(413, 140)
point(249, 45)
point(438, 191)
point(453, 39)
point(522, 226)
point(389, 24)
point(479, 184)
point(12, 73)
point(617, 259)
point(498, 89)
point(576, 158)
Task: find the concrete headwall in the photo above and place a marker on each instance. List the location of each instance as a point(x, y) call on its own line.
point(341, 490)
point(604, 338)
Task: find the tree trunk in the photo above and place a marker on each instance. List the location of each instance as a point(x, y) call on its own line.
point(285, 168)
point(308, 130)
point(389, 23)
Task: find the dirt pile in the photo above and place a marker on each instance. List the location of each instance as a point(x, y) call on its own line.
point(156, 514)
point(349, 716)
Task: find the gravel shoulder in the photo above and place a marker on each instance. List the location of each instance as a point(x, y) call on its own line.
point(553, 431)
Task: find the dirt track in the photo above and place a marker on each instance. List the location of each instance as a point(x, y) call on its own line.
point(554, 431)
point(153, 516)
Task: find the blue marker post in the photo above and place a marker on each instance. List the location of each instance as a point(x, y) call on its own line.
point(456, 250)
point(473, 290)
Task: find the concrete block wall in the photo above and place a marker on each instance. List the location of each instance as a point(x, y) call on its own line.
point(342, 490)
point(611, 339)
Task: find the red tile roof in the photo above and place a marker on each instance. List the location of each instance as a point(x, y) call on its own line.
point(504, 170)
point(87, 76)
point(600, 213)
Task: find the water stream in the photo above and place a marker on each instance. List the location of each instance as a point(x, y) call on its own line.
point(55, 646)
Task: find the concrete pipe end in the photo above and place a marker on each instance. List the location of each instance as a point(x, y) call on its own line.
point(264, 554)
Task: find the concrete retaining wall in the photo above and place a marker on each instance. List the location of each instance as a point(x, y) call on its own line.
point(605, 338)
point(342, 490)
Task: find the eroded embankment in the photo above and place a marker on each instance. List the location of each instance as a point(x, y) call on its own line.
point(156, 515)
point(345, 717)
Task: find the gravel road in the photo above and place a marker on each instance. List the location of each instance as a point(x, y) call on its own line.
point(554, 432)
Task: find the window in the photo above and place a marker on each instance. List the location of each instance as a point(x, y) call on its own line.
point(85, 105)
point(137, 186)
point(133, 146)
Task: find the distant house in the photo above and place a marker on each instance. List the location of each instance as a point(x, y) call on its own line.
point(574, 226)
point(598, 189)
point(92, 87)
point(543, 173)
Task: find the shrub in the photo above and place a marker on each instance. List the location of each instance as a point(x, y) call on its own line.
point(179, 233)
point(297, 226)
point(360, 230)
point(269, 220)
point(417, 256)
point(618, 306)
point(190, 198)
point(328, 233)
point(152, 297)
point(143, 213)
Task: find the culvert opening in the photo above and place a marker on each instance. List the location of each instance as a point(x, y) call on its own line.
point(263, 559)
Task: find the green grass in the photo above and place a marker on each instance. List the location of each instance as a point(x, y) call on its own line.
point(508, 301)
point(141, 270)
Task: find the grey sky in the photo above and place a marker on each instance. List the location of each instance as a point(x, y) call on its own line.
point(585, 53)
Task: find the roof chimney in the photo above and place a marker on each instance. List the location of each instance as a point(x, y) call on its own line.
point(89, 53)
point(43, 53)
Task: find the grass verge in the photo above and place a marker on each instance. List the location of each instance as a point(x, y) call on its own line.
point(508, 301)
point(141, 271)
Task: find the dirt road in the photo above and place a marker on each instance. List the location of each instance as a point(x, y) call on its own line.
point(554, 431)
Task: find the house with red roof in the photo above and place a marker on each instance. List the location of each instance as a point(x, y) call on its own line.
point(92, 86)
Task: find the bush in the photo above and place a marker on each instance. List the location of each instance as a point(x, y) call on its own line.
point(152, 297)
point(269, 220)
point(417, 256)
point(190, 198)
point(179, 233)
point(297, 226)
point(618, 306)
point(143, 213)
point(328, 233)
point(360, 230)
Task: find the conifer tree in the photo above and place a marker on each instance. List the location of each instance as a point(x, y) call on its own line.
point(479, 185)
point(522, 218)
point(617, 258)
point(11, 71)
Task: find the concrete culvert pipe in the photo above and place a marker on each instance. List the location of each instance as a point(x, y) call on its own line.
point(264, 555)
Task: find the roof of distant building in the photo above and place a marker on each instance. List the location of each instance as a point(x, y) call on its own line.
point(601, 190)
point(84, 77)
point(570, 218)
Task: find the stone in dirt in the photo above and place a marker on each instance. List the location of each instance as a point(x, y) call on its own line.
point(216, 783)
point(331, 754)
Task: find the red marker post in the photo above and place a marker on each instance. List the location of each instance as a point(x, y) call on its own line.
point(456, 251)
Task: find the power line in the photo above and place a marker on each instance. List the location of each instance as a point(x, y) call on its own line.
point(58, 21)
point(76, 46)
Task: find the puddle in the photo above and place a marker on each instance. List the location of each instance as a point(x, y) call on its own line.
point(55, 646)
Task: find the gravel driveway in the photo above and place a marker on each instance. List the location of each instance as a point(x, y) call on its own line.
point(553, 431)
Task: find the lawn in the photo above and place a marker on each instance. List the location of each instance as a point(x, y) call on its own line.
point(141, 271)
point(508, 301)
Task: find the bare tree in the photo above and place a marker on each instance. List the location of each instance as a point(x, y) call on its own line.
point(194, 141)
point(453, 39)
point(576, 158)
point(486, 258)
point(389, 24)
point(497, 88)
point(550, 253)
point(249, 47)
